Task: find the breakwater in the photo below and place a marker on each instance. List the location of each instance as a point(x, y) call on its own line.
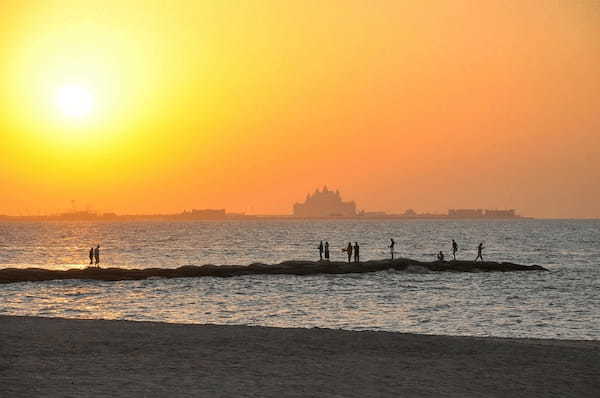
point(11, 275)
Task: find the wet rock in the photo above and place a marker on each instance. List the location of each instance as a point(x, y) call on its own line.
point(10, 275)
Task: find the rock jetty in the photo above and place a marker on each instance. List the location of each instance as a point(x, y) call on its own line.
point(11, 275)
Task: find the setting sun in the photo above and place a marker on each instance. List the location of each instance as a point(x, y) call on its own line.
point(74, 101)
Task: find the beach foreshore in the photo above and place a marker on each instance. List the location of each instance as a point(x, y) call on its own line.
point(55, 357)
point(12, 275)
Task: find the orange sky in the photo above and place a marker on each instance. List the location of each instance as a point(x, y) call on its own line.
point(249, 105)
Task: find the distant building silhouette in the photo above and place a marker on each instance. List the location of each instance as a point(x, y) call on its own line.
point(465, 213)
point(372, 214)
point(501, 213)
point(204, 214)
point(482, 213)
point(324, 203)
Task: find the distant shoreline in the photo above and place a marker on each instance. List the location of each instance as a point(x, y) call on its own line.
point(127, 218)
point(56, 357)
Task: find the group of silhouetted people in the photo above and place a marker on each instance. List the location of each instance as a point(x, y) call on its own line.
point(349, 250)
point(355, 250)
point(480, 247)
point(324, 250)
point(95, 255)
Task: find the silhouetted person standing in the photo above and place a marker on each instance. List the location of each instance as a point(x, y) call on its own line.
point(320, 247)
point(91, 255)
point(97, 255)
point(349, 251)
point(440, 256)
point(454, 248)
point(479, 252)
point(326, 251)
point(392, 246)
point(356, 252)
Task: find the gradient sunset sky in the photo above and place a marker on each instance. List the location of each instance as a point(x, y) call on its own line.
point(159, 106)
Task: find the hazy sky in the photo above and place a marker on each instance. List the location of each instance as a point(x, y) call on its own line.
point(157, 106)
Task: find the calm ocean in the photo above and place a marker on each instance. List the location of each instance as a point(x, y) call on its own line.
point(563, 303)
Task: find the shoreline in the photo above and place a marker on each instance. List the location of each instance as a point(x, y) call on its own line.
point(72, 357)
point(258, 217)
point(12, 275)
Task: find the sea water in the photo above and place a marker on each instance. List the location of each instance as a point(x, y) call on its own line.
point(563, 303)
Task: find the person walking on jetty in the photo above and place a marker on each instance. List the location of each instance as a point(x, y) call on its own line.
point(392, 246)
point(91, 255)
point(320, 247)
point(454, 249)
point(356, 252)
point(326, 251)
point(479, 252)
point(349, 251)
point(97, 255)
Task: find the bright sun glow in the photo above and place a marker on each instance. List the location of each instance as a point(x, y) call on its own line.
point(74, 101)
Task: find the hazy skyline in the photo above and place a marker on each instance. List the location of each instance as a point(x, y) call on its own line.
point(149, 107)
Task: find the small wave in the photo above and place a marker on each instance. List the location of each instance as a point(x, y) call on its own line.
point(417, 269)
point(76, 294)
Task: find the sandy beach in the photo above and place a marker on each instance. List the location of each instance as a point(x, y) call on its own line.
point(53, 357)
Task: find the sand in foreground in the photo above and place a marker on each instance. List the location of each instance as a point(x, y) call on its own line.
point(58, 358)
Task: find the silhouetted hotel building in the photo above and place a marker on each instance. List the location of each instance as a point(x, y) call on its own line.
point(324, 203)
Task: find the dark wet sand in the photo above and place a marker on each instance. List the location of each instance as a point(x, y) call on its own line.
point(53, 357)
